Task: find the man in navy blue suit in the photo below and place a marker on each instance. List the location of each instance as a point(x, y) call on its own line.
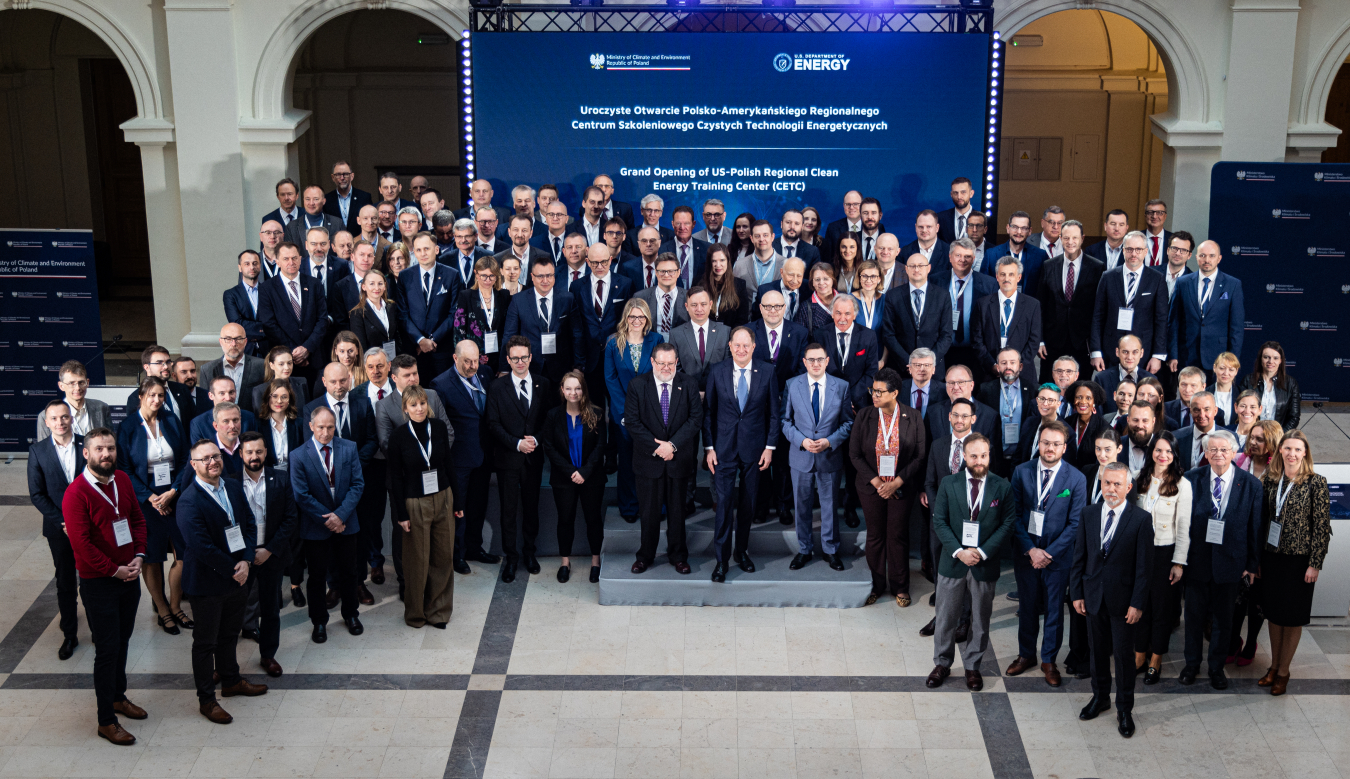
point(854, 351)
point(430, 292)
point(1130, 301)
point(552, 238)
point(465, 253)
point(273, 506)
point(797, 297)
point(927, 243)
point(391, 191)
point(918, 314)
point(294, 312)
point(542, 313)
point(53, 463)
point(1031, 257)
point(1207, 314)
point(740, 430)
point(287, 192)
point(312, 216)
point(690, 251)
point(952, 221)
point(782, 343)
point(789, 243)
point(241, 303)
point(598, 300)
point(345, 201)
point(463, 390)
point(222, 391)
point(965, 288)
point(1008, 320)
point(613, 209)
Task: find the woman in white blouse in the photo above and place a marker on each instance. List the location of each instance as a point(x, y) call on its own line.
point(1165, 494)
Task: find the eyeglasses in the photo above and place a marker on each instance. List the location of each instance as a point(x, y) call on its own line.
point(769, 307)
point(707, 214)
point(518, 360)
point(663, 364)
point(1047, 401)
point(597, 263)
point(961, 383)
point(76, 383)
point(555, 215)
point(341, 175)
point(613, 233)
point(817, 360)
point(157, 363)
point(667, 271)
point(211, 458)
point(878, 392)
point(961, 417)
point(1178, 250)
point(1064, 371)
point(636, 318)
point(1052, 444)
point(541, 276)
point(916, 265)
point(1155, 211)
point(273, 232)
point(870, 277)
point(1134, 250)
point(233, 340)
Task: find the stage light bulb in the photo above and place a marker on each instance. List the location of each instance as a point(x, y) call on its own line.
point(995, 54)
point(991, 158)
point(994, 82)
point(467, 73)
point(997, 34)
point(468, 91)
point(468, 156)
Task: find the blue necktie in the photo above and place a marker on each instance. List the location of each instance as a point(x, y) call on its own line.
point(742, 389)
point(918, 303)
point(1106, 534)
point(1204, 298)
point(815, 401)
point(1007, 317)
point(1218, 496)
point(478, 395)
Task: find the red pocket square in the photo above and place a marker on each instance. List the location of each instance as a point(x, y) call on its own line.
point(860, 353)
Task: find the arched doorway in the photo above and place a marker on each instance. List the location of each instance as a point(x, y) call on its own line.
point(1338, 115)
point(1081, 86)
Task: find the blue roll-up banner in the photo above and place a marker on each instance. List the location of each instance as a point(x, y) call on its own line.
point(1284, 230)
point(48, 315)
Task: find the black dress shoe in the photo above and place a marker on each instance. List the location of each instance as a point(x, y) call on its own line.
point(719, 573)
point(630, 519)
point(564, 573)
point(363, 595)
point(1152, 675)
point(639, 567)
point(531, 563)
point(509, 571)
point(331, 598)
point(298, 597)
point(851, 519)
point(744, 561)
point(438, 625)
point(1097, 705)
point(1218, 680)
point(962, 633)
point(683, 569)
point(929, 629)
point(251, 635)
point(462, 568)
point(799, 561)
point(932, 598)
point(785, 517)
point(835, 560)
point(354, 626)
point(1126, 724)
point(760, 520)
point(938, 676)
point(377, 575)
point(1012, 595)
point(1187, 676)
point(485, 558)
point(690, 508)
point(320, 634)
point(67, 648)
point(611, 466)
point(595, 574)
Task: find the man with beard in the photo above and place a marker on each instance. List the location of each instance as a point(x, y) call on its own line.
point(274, 513)
point(1013, 396)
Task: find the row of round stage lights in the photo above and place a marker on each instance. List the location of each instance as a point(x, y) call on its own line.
point(993, 126)
point(468, 106)
point(486, 4)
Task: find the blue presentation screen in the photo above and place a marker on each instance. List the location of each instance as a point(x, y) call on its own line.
point(762, 121)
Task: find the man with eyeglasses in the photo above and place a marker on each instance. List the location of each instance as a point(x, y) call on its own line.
point(666, 300)
point(515, 411)
point(520, 232)
point(346, 201)
point(854, 352)
point(542, 314)
point(1064, 372)
point(1130, 302)
point(237, 363)
point(1179, 249)
point(597, 303)
point(409, 224)
point(977, 226)
point(850, 223)
point(1129, 353)
point(688, 250)
point(270, 236)
point(156, 361)
point(85, 413)
point(465, 251)
point(817, 418)
point(487, 221)
point(1008, 319)
point(1155, 216)
point(551, 239)
point(781, 342)
point(1031, 256)
point(918, 315)
point(714, 214)
point(614, 237)
point(1048, 239)
point(1068, 296)
point(946, 456)
point(386, 219)
point(1048, 398)
point(641, 270)
point(967, 290)
point(652, 207)
point(613, 209)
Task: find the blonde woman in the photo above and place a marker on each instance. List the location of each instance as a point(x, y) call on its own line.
point(1226, 367)
point(628, 354)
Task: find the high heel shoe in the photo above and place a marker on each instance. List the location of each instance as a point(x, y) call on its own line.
point(1280, 684)
point(183, 620)
point(1152, 675)
point(168, 624)
point(1268, 679)
point(1244, 659)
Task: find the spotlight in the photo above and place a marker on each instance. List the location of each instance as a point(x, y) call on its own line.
point(588, 2)
point(779, 3)
point(485, 3)
point(682, 2)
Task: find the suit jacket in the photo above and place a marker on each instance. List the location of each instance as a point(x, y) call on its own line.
point(522, 318)
point(1101, 250)
point(203, 425)
point(1112, 582)
point(132, 457)
point(279, 320)
point(472, 440)
point(1084, 452)
point(1288, 402)
point(913, 452)
point(791, 349)
point(937, 263)
point(987, 424)
point(361, 419)
point(902, 335)
point(295, 436)
point(997, 518)
point(1109, 380)
point(208, 563)
point(531, 253)
point(800, 423)
point(1197, 337)
point(435, 319)
point(313, 495)
point(275, 214)
point(740, 436)
point(1162, 248)
point(47, 481)
point(298, 389)
point(1242, 524)
point(254, 370)
point(1066, 324)
point(451, 259)
point(837, 230)
point(864, 352)
point(700, 258)
point(619, 371)
point(946, 220)
point(1033, 258)
point(744, 269)
point(544, 243)
point(1024, 332)
point(977, 286)
point(556, 441)
point(801, 316)
point(590, 331)
point(389, 414)
point(630, 244)
point(805, 252)
point(342, 298)
point(936, 394)
point(1064, 503)
point(100, 415)
point(295, 231)
point(1150, 308)
point(239, 311)
point(618, 208)
point(1185, 436)
point(715, 349)
point(359, 198)
point(509, 420)
point(632, 267)
point(643, 421)
point(280, 532)
point(990, 392)
point(371, 332)
point(678, 314)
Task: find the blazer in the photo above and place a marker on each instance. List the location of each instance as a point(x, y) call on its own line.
point(744, 269)
point(913, 452)
point(1064, 503)
point(100, 415)
point(298, 388)
point(937, 263)
point(997, 516)
point(531, 252)
point(1109, 380)
point(279, 320)
point(975, 286)
point(1085, 449)
point(133, 458)
point(1024, 332)
point(1243, 522)
point(362, 422)
point(254, 370)
point(1028, 440)
point(740, 435)
point(544, 243)
point(801, 316)
point(837, 230)
point(939, 465)
point(472, 440)
point(1185, 436)
point(715, 349)
point(1033, 258)
point(741, 314)
point(208, 563)
point(643, 421)
point(472, 323)
point(522, 318)
point(1150, 308)
point(313, 495)
point(295, 436)
point(990, 394)
point(1149, 238)
point(203, 425)
point(47, 482)
point(1305, 521)
point(590, 332)
point(678, 313)
point(804, 251)
point(557, 447)
point(406, 464)
point(864, 353)
point(451, 259)
point(788, 361)
point(359, 198)
point(280, 537)
point(630, 244)
point(434, 319)
point(389, 415)
point(335, 270)
point(619, 371)
point(239, 310)
point(1197, 337)
point(343, 297)
point(937, 392)
point(371, 332)
point(1288, 402)
point(902, 335)
point(801, 423)
point(1112, 582)
point(510, 421)
point(700, 258)
point(1100, 250)
point(1067, 323)
point(295, 231)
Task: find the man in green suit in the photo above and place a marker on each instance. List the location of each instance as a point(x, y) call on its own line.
point(971, 541)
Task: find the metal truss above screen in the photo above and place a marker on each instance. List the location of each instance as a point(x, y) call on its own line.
point(732, 18)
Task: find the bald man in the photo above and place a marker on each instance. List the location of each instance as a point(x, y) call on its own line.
point(312, 214)
point(236, 363)
point(369, 221)
point(597, 303)
point(1207, 314)
point(345, 201)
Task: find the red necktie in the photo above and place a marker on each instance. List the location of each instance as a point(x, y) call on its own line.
point(599, 296)
point(649, 276)
point(1050, 249)
point(1068, 285)
point(974, 495)
point(1154, 258)
point(379, 396)
point(576, 274)
point(328, 464)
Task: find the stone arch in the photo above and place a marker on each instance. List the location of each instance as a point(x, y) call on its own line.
point(1312, 105)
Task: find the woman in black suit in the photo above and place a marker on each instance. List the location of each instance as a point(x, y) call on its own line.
point(574, 440)
point(1280, 398)
point(481, 313)
point(730, 300)
point(374, 319)
point(281, 429)
point(1085, 397)
point(280, 365)
point(1106, 446)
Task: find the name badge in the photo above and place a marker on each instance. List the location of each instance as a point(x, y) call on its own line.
point(1273, 537)
point(389, 350)
point(1124, 319)
point(550, 343)
point(489, 343)
point(161, 473)
point(430, 483)
point(970, 533)
point(1002, 342)
point(886, 466)
point(1214, 532)
point(1011, 432)
point(122, 532)
point(1036, 523)
point(234, 538)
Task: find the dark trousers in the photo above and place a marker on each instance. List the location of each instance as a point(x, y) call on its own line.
point(370, 513)
point(518, 493)
point(627, 487)
point(1080, 650)
point(1153, 633)
point(929, 545)
point(734, 508)
point(341, 553)
point(471, 492)
point(666, 492)
point(110, 609)
point(263, 610)
point(1110, 637)
point(887, 539)
point(1040, 590)
point(1206, 601)
point(67, 582)
point(218, 619)
point(775, 485)
point(599, 392)
point(566, 494)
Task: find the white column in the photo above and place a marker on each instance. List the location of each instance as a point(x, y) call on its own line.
point(164, 226)
point(1191, 150)
point(1260, 79)
point(269, 154)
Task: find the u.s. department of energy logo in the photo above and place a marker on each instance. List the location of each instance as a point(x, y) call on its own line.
point(1242, 174)
point(1270, 288)
point(782, 62)
point(598, 61)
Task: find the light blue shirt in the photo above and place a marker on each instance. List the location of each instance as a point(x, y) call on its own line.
point(221, 497)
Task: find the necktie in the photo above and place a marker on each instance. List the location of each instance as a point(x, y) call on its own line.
point(465, 268)
point(1218, 496)
point(665, 314)
point(920, 396)
point(665, 403)
point(599, 296)
point(960, 311)
point(295, 299)
point(791, 251)
point(379, 396)
point(961, 226)
point(318, 275)
point(1153, 259)
point(684, 260)
point(478, 395)
point(1050, 249)
point(543, 308)
point(557, 248)
point(956, 456)
point(328, 464)
point(1106, 533)
point(1068, 283)
point(1185, 416)
point(701, 354)
point(867, 248)
point(843, 348)
point(1007, 317)
point(1204, 297)
point(649, 275)
point(773, 344)
point(815, 400)
point(1045, 481)
point(792, 304)
point(524, 396)
point(426, 285)
point(344, 424)
point(918, 303)
point(974, 499)
point(1129, 287)
point(742, 388)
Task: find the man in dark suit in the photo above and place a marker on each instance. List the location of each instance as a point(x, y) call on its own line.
point(1192, 439)
point(519, 231)
point(346, 294)
point(651, 208)
point(1068, 293)
point(155, 361)
point(1130, 302)
point(665, 299)
point(515, 412)
point(294, 313)
point(1207, 315)
point(927, 243)
point(1229, 506)
point(598, 302)
point(966, 289)
point(345, 201)
point(208, 424)
point(641, 265)
point(740, 433)
point(1128, 353)
point(789, 243)
point(853, 222)
point(391, 191)
point(918, 315)
point(1111, 250)
point(53, 463)
point(464, 393)
point(237, 364)
point(688, 250)
point(782, 343)
point(268, 491)
point(551, 240)
point(457, 246)
point(1155, 216)
point(1017, 247)
point(663, 415)
point(313, 216)
point(795, 295)
point(1008, 320)
point(542, 315)
point(946, 456)
point(952, 221)
point(430, 293)
point(1109, 582)
point(853, 350)
point(241, 303)
point(1013, 401)
point(287, 192)
point(609, 207)
point(185, 373)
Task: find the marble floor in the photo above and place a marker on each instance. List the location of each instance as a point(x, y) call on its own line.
point(534, 679)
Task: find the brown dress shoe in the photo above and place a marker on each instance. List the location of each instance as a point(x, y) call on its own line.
point(212, 711)
point(364, 595)
point(244, 687)
point(1019, 665)
point(938, 676)
point(271, 666)
point(129, 710)
point(1278, 687)
point(1268, 679)
point(116, 735)
point(331, 599)
point(974, 681)
point(377, 575)
point(1051, 672)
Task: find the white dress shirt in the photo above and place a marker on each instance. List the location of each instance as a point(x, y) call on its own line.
point(256, 492)
point(551, 308)
point(373, 391)
point(848, 344)
point(79, 419)
point(1226, 482)
point(66, 455)
point(1077, 272)
point(1109, 533)
point(603, 299)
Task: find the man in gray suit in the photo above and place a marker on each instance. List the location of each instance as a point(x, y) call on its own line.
point(714, 214)
point(817, 418)
point(85, 413)
point(313, 216)
point(754, 269)
point(666, 300)
point(700, 343)
point(247, 371)
point(1047, 240)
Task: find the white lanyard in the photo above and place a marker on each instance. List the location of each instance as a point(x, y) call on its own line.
point(868, 310)
point(1005, 313)
point(885, 430)
point(487, 307)
point(1281, 497)
point(114, 501)
point(426, 450)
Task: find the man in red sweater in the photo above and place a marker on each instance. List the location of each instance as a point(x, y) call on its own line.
point(107, 535)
